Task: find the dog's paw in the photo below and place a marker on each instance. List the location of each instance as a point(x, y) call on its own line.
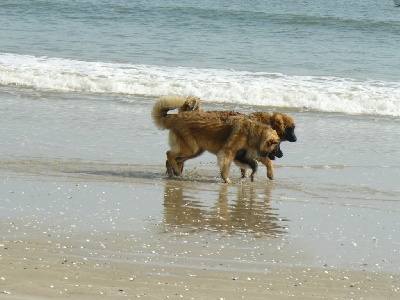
point(227, 180)
point(169, 168)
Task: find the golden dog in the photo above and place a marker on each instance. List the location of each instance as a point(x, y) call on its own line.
point(196, 131)
point(283, 124)
point(194, 104)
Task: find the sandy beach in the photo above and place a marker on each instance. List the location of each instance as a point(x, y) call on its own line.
point(88, 212)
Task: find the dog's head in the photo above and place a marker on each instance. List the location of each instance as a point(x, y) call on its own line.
point(276, 153)
point(284, 126)
point(191, 104)
point(269, 143)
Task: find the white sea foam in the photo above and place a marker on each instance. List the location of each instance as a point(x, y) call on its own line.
point(330, 94)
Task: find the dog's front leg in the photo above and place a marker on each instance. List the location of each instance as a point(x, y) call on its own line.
point(244, 163)
point(254, 167)
point(270, 166)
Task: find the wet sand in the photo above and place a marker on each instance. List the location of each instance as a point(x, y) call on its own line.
point(87, 210)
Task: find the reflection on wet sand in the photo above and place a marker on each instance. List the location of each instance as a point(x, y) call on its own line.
point(240, 209)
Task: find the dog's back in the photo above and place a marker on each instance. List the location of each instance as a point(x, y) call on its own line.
point(198, 128)
point(212, 133)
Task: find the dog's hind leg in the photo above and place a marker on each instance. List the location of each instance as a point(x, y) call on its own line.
point(176, 158)
point(181, 161)
point(169, 168)
point(172, 166)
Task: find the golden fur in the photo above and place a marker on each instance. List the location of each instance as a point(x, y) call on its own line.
point(167, 103)
point(194, 132)
point(283, 124)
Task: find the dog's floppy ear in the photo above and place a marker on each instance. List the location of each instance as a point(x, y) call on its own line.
point(269, 141)
point(194, 103)
point(191, 104)
point(278, 123)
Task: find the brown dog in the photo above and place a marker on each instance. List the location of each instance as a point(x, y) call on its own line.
point(196, 132)
point(283, 124)
point(194, 104)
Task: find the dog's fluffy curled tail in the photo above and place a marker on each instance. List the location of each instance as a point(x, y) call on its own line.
point(167, 103)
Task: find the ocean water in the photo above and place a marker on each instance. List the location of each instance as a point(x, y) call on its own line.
point(326, 56)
